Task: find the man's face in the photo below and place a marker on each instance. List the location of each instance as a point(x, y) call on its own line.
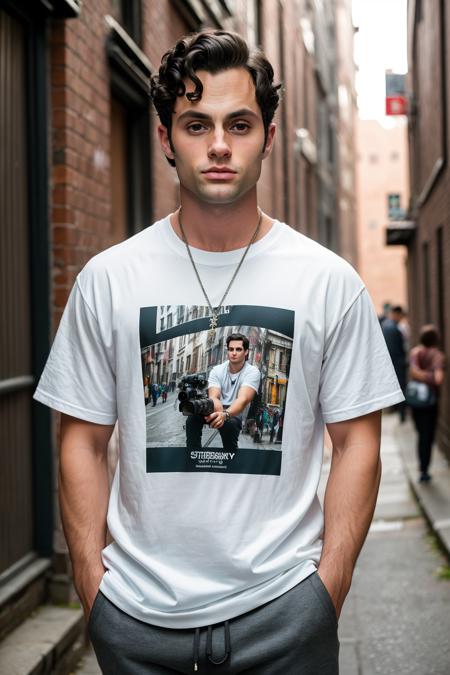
point(218, 141)
point(396, 316)
point(236, 352)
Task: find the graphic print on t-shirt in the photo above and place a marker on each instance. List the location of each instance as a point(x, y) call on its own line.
point(181, 363)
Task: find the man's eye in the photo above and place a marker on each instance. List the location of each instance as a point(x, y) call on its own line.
point(241, 126)
point(196, 127)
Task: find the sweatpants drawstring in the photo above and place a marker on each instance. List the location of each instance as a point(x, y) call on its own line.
point(209, 649)
point(227, 653)
point(196, 647)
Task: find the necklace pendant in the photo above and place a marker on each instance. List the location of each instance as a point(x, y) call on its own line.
point(212, 328)
point(211, 335)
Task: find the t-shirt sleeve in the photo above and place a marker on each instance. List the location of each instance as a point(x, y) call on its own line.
point(357, 375)
point(213, 379)
point(78, 378)
point(252, 378)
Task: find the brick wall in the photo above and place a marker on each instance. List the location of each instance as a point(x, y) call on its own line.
point(430, 140)
point(80, 189)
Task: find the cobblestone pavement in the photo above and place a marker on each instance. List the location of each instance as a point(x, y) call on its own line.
point(166, 425)
point(396, 619)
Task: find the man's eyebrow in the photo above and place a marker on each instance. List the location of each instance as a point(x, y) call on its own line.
point(194, 114)
point(243, 112)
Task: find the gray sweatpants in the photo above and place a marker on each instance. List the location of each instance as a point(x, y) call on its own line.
point(293, 634)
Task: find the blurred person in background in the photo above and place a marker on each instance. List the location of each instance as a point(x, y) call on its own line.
point(395, 342)
point(427, 365)
point(384, 313)
point(405, 329)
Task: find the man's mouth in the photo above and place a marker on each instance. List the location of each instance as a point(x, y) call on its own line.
point(219, 173)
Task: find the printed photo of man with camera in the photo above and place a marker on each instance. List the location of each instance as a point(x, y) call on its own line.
point(232, 386)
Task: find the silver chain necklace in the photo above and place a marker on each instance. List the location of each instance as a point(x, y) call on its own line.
point(215, 310)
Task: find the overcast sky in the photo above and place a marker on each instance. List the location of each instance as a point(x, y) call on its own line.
point(380, 45)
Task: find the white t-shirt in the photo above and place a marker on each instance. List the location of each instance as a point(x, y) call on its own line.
point(201, 537)
point(230, 383)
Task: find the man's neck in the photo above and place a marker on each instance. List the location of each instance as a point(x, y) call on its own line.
point(224, 227)
point(235, 367)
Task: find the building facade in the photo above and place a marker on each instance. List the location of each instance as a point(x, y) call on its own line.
point(346, 135)
point(428, 239)
point(382, 180)
point(82, 170)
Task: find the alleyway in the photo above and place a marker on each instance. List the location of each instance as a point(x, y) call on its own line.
point(396, 619)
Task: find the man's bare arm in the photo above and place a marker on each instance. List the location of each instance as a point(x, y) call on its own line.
point(245, 396)
point(350, 500)
point(215, 393)
point(83, 498)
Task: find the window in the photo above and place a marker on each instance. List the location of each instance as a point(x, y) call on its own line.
point(128, 14)
point(119, 183)
point(330, 143)
point(394, 210)
point(162, 324)
point(130, 162)
point(169, 321)
point(253, 22)
point(130, 140)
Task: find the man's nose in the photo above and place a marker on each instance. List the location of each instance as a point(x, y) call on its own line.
point(219, 146)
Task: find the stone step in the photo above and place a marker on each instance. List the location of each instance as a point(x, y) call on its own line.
point(51, 640)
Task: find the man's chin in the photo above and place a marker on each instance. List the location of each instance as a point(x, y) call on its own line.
point(224, 194)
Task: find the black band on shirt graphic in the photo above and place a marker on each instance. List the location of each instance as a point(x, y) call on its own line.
point(187, 372)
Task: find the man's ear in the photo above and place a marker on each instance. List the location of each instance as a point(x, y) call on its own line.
point(164, 140)
point(270, 139)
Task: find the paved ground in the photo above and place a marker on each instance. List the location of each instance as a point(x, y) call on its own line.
point(396, 619)
point(167, 426)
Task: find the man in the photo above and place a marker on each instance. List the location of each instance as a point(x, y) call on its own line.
point(155, 393)
point(232, 386)
point(395, 342)
point(192, 549)
point(384, 312)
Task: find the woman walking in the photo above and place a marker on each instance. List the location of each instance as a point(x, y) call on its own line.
point(426, 369)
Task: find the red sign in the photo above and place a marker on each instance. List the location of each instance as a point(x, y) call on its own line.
point(396, 105)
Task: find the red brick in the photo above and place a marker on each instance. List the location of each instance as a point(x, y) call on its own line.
point(60, 296)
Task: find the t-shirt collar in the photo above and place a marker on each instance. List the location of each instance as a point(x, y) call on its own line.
point(222, 258)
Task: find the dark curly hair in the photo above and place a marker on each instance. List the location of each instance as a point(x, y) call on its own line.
point(213, 51)
point(429, 336)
